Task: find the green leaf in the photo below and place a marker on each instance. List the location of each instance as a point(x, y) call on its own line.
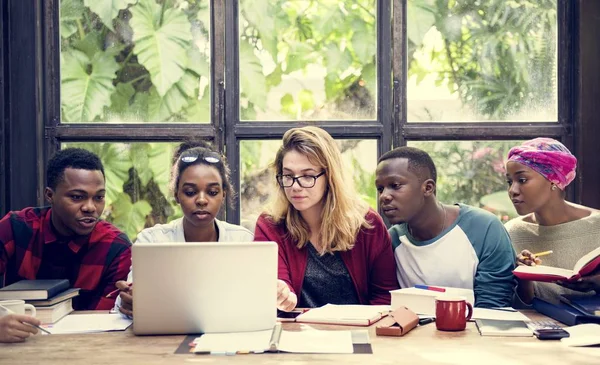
point(107, 10)
point(369, 76)
point(159, 162)
point(121, 97)
point(422, 19)
point(70, 12)
point(128, 217)
point(299, 55)
point(204, 15)
point(86, 85)
point(139, 156)
point(337, 60)
point(90, 44)
point(161, 42)
point(161, 109)
point(306, 99)
point(363, 42)
point(198, 62)
point(288, 106)
point(252, 79)
point(116, 168)
point(332, 20)
point(260, 14)
point(198, 111)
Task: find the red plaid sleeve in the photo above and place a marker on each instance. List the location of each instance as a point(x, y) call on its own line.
point(7, 243)
point(107, 261)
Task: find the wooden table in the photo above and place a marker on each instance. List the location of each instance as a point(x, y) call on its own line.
point(423, 345)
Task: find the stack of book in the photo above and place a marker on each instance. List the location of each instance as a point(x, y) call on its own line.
point(52, 299)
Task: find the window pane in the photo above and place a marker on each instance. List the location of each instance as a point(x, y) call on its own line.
point(137, 183)
point(472, 172)
point(307, 60)
point(134, 61)
point(482, 60)
point(258, 181)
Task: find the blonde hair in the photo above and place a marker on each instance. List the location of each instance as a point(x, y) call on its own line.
point(343, 212)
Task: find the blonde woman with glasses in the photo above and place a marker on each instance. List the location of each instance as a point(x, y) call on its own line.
point(332, 247)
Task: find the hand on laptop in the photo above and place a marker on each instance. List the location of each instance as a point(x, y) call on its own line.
point(14, 327)
point(126, 295)
point(286, 300)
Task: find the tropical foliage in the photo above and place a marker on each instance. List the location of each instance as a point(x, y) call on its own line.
point(140, 61)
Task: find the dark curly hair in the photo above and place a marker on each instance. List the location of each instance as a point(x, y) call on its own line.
point(419, 161)
point(204, 152)
point(75, 158)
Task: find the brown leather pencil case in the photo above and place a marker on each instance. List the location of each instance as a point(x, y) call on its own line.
point(398, 323)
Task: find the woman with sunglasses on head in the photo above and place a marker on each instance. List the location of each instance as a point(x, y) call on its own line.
point(200, 184)
point(332, 247)
point(538, 171)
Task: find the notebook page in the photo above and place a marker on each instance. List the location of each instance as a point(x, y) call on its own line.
point(88, 323)
point(345, 313)
point(316, 342)
point(586, 259)
point(506, 314)
point(234, 341)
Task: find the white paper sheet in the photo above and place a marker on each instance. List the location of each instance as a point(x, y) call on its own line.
point(234, 341)
point(88, 323)
point(582, 335)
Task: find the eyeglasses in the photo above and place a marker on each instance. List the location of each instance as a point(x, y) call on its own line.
point(192, 156)
point(305, 181)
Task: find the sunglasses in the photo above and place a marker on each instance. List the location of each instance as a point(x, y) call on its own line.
point(193, 156)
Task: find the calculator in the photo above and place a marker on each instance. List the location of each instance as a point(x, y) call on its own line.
point(547, 330)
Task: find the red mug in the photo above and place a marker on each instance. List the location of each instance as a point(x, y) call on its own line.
point(451, 313)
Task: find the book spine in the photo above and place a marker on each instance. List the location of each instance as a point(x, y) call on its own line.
point(64, 285)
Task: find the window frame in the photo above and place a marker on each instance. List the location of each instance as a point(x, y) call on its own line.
point(38, 83)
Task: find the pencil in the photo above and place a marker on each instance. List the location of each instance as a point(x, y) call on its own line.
point(542, 253)
point(109, 295)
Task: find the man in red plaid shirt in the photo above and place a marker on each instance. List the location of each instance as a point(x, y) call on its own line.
point(68, 240)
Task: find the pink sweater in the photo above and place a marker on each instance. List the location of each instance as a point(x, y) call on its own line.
point(370, 263)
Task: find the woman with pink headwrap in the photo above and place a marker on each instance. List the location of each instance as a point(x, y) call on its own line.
point(537, 172)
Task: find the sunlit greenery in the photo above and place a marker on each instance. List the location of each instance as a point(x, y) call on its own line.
point(126, 61)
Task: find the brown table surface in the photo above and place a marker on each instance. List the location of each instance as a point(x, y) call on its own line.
point(423, 345)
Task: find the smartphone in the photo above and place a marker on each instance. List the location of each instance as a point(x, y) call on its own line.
point(288, 316)
point(550, 334)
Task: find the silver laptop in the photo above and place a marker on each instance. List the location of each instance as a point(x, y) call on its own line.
point(206, 287)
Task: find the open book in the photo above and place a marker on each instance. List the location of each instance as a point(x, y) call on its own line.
point(584, 266)
point(346, 314)
point(305, 341)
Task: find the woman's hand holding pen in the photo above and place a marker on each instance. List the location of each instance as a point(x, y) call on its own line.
point(126, 294)
point(286, 299)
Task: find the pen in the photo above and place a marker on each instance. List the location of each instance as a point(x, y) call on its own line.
point(109, 295)
point(424, 321)
point(429, 287)
point(32, 325)
point(542, 253)
point(504, 309)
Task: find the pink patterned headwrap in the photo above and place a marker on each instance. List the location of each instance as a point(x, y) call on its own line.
point(547, 156)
